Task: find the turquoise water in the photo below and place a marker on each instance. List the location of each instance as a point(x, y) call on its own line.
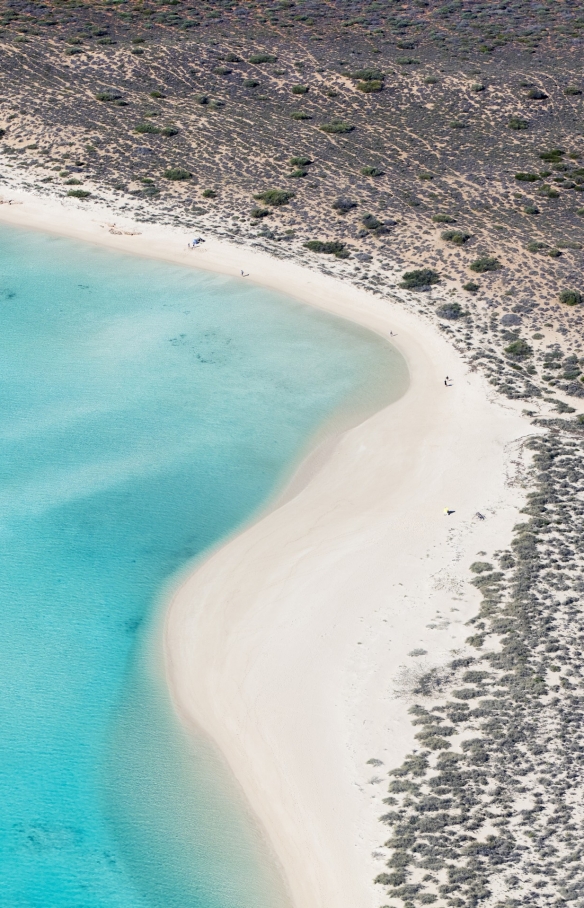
point(146, 411)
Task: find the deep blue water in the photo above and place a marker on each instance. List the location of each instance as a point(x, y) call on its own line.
point(146, 411)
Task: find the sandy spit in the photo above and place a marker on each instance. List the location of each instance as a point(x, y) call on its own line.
point(291, 644)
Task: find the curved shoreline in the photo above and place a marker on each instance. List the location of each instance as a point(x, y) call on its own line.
point(284, 645)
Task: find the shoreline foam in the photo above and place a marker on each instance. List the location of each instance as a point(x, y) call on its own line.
point(287, 644)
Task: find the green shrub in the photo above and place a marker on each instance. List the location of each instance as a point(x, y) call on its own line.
point(299, 173)
point(300, 89)
point(554, 156)
point(572, 90)
point(536, 246)
point(74, 40)
point(419, 279)
point(169, 131)
point(425, 175)
point(458, 237)
point(343, 205)
point(571, 297)
point(407, 61)
point(209, 194)
point(471, 287)
point(108, 96)
point(73, 182)
point(106, 40)
point(300, 115)
point(370, 222)
point(477, 86)
point(549, 192)
point(137, 51)
point(71, 51)
point(147, 128)
point(371, 172)
point(536, 94)
point(275, 197)
point(485, 263)
point(232, 58)
point(527, 177)
point(531, 209)
point(554, 253)
point(517, 123)
point(430, 80)
point(451, 311)
point(262, 58)
point(300, 161)
point(519, 349)
point(251, 83)
point(443, 219)
point(479, 567)
point(157, 94)
point(328, 248)
point(368, 75)
point(176, 173)
point(78, 193)
point(259, 212)
point(337, 127)
point(580, 212)
point(372, 86)
point(138, 40)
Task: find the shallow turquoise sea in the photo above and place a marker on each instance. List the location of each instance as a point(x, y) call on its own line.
point(146, 411)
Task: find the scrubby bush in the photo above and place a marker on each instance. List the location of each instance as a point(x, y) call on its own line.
point(209, 194)
point(471, 287)
point(372, 86)
point(527, 177)
point(443, 219)
point(571, 297)
point(549, 192)
point(518, 123)
point(371, 222)
point(371, 171)
point(108, 96)
point(251, 83)
point(554, 156)
point(169, 131)
point(222, 70)
point(337, 127)
point(147, 129)
point(343, 205)
point(425, 175)
point(531, 209)
point(477, 86)
point(176, 173)
point(368, 75)
point(78, 193)
point(232, 58)
point(300, 161)
point(458, 237)
point(572, 90)
point(419, 279)
point(259, 212)
point(451, 311)
point(519, 349)
point(407, 61)
point(431, 80)
point(300, 115)
point(300, 89)
point(339, 250)
point(262, 58)
point(536, 94)
point(157, 94)
point(485, 263)
point(275, 197)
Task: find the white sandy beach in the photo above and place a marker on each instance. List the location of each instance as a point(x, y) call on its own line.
point(289, 645)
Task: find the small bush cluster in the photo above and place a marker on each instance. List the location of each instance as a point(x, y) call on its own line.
point(485, 263)
point(176, 173)
point(337, 127)
point(275, 197)
point(458, 237)
point(419, 279)
point(339, 250)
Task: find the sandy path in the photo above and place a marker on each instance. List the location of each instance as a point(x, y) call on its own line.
point(289, 643)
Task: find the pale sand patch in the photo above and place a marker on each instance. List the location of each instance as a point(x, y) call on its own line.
point(289, 644)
